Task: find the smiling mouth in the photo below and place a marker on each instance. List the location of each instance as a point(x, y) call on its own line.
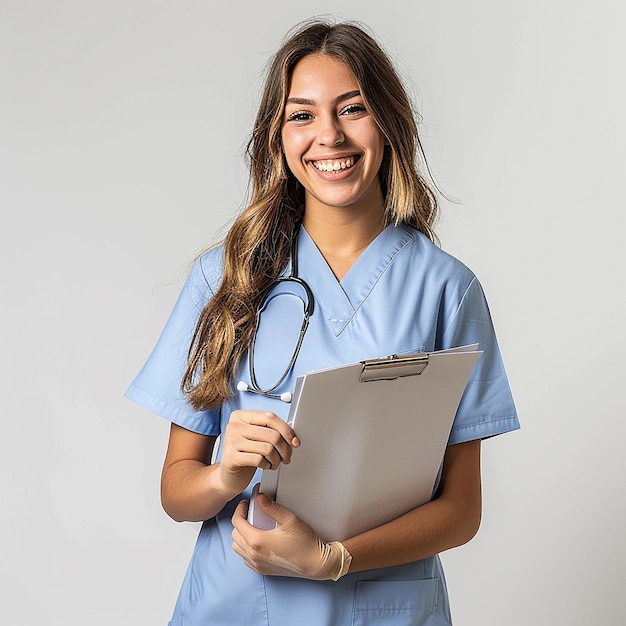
point(338, 165)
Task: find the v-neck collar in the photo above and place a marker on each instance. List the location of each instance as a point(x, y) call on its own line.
point(340, 300)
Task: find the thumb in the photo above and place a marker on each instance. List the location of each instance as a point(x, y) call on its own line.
point(273, 509)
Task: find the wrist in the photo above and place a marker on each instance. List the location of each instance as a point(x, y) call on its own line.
point(342, 559)
point(222, 485)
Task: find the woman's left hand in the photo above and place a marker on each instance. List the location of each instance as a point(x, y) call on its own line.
point(291, 549)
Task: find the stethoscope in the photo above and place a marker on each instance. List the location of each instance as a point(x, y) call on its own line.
point(253, 387)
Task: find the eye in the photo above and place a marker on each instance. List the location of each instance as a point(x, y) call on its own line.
point(353, 109)
point(299, 116)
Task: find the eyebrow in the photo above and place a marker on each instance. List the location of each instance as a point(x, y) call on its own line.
point(338, 99)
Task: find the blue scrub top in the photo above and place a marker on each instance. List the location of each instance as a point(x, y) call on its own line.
point(402, 295)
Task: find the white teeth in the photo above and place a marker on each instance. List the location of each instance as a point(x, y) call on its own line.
point(333, 166)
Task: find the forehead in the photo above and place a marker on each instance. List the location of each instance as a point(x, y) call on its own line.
point(317, 75)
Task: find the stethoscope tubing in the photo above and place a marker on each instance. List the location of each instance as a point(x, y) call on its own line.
point(268, 392)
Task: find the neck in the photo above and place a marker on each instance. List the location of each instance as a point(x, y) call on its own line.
point(341, 237)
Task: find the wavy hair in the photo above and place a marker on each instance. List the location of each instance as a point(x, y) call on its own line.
point(258, 244)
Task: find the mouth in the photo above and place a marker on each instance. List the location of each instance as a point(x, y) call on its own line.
point(335, 165)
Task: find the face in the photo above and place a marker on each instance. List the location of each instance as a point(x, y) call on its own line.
point(332, 144)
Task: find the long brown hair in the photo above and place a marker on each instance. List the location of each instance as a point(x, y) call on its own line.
point(257, 246)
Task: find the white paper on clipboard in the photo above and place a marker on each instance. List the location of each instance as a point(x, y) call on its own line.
point(373, 438)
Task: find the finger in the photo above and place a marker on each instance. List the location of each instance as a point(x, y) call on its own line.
point(268, 420)
point(239, 544)
point(242, 507)
point(257, 439)
point(248, 453)
point(240, 514)
point(240, 527)
point(274, 510)
point(237, 549)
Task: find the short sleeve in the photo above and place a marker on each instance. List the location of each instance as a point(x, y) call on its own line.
point(157, 386)
point(486, 408)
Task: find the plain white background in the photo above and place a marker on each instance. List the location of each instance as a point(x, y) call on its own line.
point(121, 135)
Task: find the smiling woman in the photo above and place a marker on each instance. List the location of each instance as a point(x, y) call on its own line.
point(340, 210)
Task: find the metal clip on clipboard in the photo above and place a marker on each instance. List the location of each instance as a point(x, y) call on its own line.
point(392, 367)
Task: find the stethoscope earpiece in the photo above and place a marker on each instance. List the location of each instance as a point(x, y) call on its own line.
point(285, 397)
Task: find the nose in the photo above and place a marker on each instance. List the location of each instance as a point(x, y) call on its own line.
point(330, 132)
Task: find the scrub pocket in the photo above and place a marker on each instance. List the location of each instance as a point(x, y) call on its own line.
point(398, 603)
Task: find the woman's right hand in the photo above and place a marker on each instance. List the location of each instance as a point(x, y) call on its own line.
point(254, 439)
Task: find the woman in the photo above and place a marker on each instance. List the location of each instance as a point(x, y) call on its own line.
point(337, 201)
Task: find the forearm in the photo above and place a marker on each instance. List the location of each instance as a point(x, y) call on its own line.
point(450, 520)
point(432, 528)
point(192, 491)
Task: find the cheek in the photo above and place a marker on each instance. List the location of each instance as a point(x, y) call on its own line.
point(378, 140)
point(293, 149)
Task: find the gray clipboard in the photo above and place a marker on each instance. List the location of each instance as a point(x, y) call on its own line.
point(373, 438)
